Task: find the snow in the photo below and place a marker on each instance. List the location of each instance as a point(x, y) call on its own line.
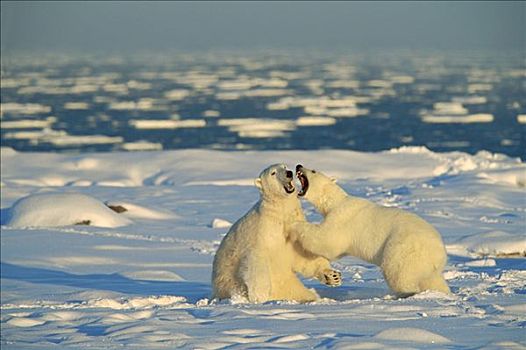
point(449, 108)
point(473, 99)
point(167, 123)
point(315, 121)
point(475, 88)
point(257, 127)
point(72, 140)
point(455, 112)
point(220, 223)
point(35, 135)
point(60, 138)
point(495, 243)
point(267, 92)
point(211, 113)
point(142, 146)
point(62, 209)
point(28, 123)
point(412, 335)
point(146, 283)
point(316, 102)
point(76, 105)
point(402, 79)
point(471, 118)
point(344, 84)
point(143, 104)
point(23, 108)
point(516, 176)
point(177, 94)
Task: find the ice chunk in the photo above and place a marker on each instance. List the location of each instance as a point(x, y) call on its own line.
point(21, 108)
point(167, 123)
point(465, 119)
point(220, 223)
point(28, 123)
point(315, 121)
point(142, 146)
point(76, 105)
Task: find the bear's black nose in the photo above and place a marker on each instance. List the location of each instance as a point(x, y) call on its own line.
point(298, 167)
point(289, 174)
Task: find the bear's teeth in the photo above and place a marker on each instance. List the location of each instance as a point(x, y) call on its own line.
point(289, 187)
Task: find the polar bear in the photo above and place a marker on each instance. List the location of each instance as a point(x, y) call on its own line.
point(256, 259)
point(409, 250)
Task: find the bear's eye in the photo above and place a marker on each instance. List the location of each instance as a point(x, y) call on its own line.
point(314, 171)
point(273, 173)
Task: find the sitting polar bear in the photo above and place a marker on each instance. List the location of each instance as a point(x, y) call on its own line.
point(256, 260)
point(409, 250)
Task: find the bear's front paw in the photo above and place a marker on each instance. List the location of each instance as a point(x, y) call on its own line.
point(332, 278)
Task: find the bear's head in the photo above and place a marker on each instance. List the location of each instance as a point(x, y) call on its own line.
point(315, 186)
point(275, 181)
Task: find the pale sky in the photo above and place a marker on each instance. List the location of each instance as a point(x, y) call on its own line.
point(132, 26)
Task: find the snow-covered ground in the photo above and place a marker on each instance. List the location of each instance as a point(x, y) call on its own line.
point(144, 282)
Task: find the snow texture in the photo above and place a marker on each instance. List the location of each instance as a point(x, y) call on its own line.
point(145, 284)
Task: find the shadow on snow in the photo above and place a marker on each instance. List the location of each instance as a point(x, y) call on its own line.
point(115, 282)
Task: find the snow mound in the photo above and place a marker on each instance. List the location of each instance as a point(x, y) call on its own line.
point(515, 176)
point(138, 302)
point(62, 209)
point(412, 335)
point(220, 223)
point(25, 322)
point(493, 243)
point(153, 275)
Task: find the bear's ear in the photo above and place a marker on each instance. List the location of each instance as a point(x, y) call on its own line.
point(333, 179)
point(257, 182)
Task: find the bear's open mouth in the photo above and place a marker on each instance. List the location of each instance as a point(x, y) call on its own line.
point(304, 183)
point(289, 187)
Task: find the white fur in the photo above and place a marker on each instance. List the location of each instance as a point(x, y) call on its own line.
point(409, 250)
point(256, 259)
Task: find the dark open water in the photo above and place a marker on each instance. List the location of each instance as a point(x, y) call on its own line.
point(366, 102)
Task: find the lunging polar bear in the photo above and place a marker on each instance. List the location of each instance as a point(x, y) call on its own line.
point(256, 259)
point(409, 250)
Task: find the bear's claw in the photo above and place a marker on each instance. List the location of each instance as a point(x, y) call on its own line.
point(332, 278)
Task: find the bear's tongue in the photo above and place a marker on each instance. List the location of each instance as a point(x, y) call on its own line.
point(304, 183)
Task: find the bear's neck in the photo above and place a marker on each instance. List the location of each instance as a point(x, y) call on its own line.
point(331, 198)
point(280, 207)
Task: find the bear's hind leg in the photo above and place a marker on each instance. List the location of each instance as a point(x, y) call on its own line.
point(435, 282)
point(410, 265)
point(402, 284)
point(406, 283)
point(255, 274)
